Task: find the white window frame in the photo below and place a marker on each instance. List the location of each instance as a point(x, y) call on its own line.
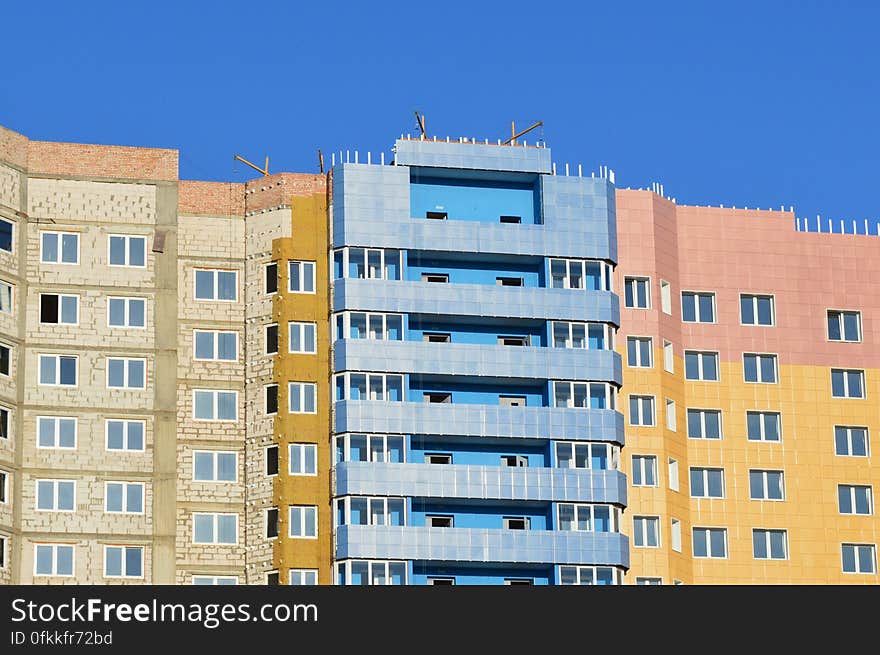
point(57, 432)
point(126, 372)
point(302, 265)
point(266, 450)
point(214, 579)
point(369, 376)
point(587, 575)
point(266, 351)
point(345, 440)
point(384, 260)
point(216, 272)
point(641, 413)
point(846, 389)
point(56, 484)
point(216, 342)
point(703, 412)
point(589, 508)
point(754, 298)
point(215, 456)
point(701, 356)
point(59, 296)
point(638, 359)
point(668, 357)
point(59, 234)
point(302, 447)
point(635, 279)
point(301, 393)
point(304, 511)
point(4, 486)
point(12, 236)
point(856, 559)
point(301, 328)
point(216, 395)
point(671, 420)
point(673, 473)
point(666, 297)
point(709, 555)
point(765, 484)
point(763, 435)
point(127, 300)
point(124, 572)
point(377, 507)
point(126, 484)
point(675, 534)
point(125, 435)
point(570, 264)
point(840, 314)
point(127, 239)
point(704, 473)
point(852, 499)
point(767, 544)
point(345, 319)
point(610, 392)
point(11, 287)
point(697, 317)
point(607, 335)
point(642, 463)
point(645, 522)
point(849, 440)
point(759, 368)
point(55, 547)
point(612, 454)
point(303, 577)
point(214, 530)
point(57, 358)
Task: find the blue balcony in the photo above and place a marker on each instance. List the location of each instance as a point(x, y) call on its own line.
point(477, 360)
point(478, 420)
point(475, 300)
point(480, 482)
point(481, 545)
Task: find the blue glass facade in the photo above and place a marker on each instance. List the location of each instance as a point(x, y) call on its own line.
point(475, 417)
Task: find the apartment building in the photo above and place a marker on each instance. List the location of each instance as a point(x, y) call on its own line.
point(459, 367)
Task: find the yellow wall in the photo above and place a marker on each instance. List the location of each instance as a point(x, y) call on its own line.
point(308, 243)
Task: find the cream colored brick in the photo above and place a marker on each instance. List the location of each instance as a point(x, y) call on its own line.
point(91, 201)
point(10, 187)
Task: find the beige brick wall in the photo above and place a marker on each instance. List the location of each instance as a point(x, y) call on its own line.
point(10, 187)
point(88, 562)
point(78, 200)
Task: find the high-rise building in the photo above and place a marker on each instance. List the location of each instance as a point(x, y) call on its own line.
point(422, 372)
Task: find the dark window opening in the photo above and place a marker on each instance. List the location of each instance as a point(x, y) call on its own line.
point(4, 360)
point(272, 579)
point(5, 236)
point(441, 582)
point(438, 521)
point(437, 337)
point(441, 278)
point(516, 523)
point(272, 460)
point(509, 281)
point(519, 581)
point(271, 523)
point(4, 423)
point(272, 277)
point(437, 216)
point(511, 219)
point(438, 458)
point(517, 461)
point(48, 308)
point(272, 399)
point(271, 339)
point(513, 341)
point(438, 397)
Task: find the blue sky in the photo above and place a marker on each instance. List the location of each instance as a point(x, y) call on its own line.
point(737, 103)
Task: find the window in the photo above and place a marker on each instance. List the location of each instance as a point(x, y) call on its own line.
point(766, 485)
point(56, 495)
point(701, 366)
point(59, 247)
point(710, 542)
point(512, 401)
point(437, 216)
point(367, 263)
point(6, 296)
point(3, 541)
point(646, 531)
point(670, 414)
point(4, 422)
point(855, 499)
point(851, 441)
point(301, 337)
point(362, 325)
point(668, 357)
point(303, 577)
point(6, 228)
point(637, 292)
point(649, 581)
point(764, 426)
point(440, 278)
point(271, 460)
point(641, 410)
point(592, 336)
point(270, 278)
point(638, 352)
point(591, 275)
point(303, 459)
point(756, 309)
point(124, 497)
point(369, 448)
point(759, 368)
point(220, 529)
point(271, 522)
point(363, 510)
point(515, 461)
point(769, 544)
point(675, 534)
point(215, 345)
point(304, 521)
point(644, 471)
point(589, 575)
point(301, 398)
point(587, 395)
point(56, 432)
point(4, 488)
point(53, 559)
point(673, 474)
point(506, 281)
point(433, 521)
point(126, 312)
point(704, 423)
point(515, 522)
point(127, 250)
point(271, 397)
point(439, 582)
point(510, 219)
point(844, 325)
point(707, 482)
point(58, 370)
point(215, 466)
point(370, 572)
point(59, 308)
point(519, 581)
point(665, 297)
point(271, 332)
point(587, 518)
point(214, 405)
point(513, 341)
point(125, 434)
point(598, 456)
point(126, 373)
point(123, 561)
point(438, 458)
point(859, 558)
point(214, 580)
point(215, 284)
point(697, 307)
point(436, 337)
point(369, 386)
point(847, 383)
